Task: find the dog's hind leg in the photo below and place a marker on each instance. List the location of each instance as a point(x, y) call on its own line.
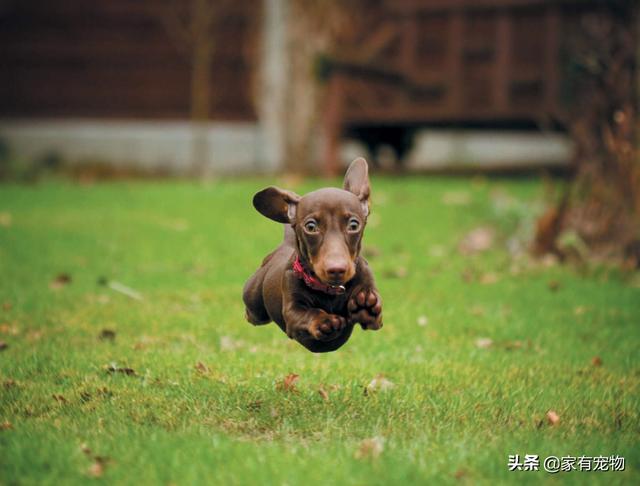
point(255, 311)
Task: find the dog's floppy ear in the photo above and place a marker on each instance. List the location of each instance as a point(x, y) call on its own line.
point(277, 204)
point(356, 180)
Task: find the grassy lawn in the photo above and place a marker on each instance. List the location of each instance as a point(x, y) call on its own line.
point(479, 347)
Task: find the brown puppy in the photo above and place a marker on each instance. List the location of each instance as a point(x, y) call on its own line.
point(315, 285)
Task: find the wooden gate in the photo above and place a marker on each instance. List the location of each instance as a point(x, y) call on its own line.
point(425, 61)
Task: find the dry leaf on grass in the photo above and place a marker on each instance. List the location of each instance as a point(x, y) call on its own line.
point(5, 219)
point(60, 281)
point(596, 361)
point(288, 384)
point(107, 335)
point(201, 367)
point(477, 241)
point(112, 368)
point(59, 398)
point(379, 383)
point(97, 468)
point(553, 417)
point(370, 448)
point(460, 473)
point(484, 343)
point(3, 345)
point(6, 425)
point(323, 393)
point(423, 321)
point(7, 306)
point(10, 329)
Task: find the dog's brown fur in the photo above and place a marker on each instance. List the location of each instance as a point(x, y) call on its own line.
point(324, 229)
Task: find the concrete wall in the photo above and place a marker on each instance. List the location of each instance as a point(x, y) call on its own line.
point(232, 148)
point(246, 148)
point(448, 149)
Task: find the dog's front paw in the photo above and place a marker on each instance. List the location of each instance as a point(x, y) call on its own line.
point(365, 307)
point(327, 327)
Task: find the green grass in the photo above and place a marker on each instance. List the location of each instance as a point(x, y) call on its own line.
point(455, 414)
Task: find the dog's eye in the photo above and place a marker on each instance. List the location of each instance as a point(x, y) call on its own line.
point(311, 226)
point(354, 225)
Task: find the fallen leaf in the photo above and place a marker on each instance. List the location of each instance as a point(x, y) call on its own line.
point(484, 343)
point(84, 448)
point(11, 329)
point(423, 321)
point(112, 368)
point(201, 367)
point(553, 417)
point(553, 285)
point(477, 241)
point(7, 306)
point(370, 448)
point(288, 384)
point(323, 393)
point(596, 361)
point(59, 398)
point(3, 345)
point(460, 473)
point(60, 281)
point(96, 469)
point(145, 342)
point(107, 335)
point(510, 345)
point(379, 383)
point(5, 219)
point(6, 425)
point(9, 383)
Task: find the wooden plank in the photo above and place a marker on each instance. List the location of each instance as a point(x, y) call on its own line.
point(413, 6)
point(552, 79)
point(502, 61)
point(454, 62)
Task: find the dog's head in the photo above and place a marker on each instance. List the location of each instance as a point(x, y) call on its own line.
point(328, 222)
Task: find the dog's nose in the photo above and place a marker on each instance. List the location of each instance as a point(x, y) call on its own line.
point(336, 270)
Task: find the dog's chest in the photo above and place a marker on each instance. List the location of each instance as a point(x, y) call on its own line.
point(333, 304)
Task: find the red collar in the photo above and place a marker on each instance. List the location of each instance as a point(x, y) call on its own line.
point(314, 283)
